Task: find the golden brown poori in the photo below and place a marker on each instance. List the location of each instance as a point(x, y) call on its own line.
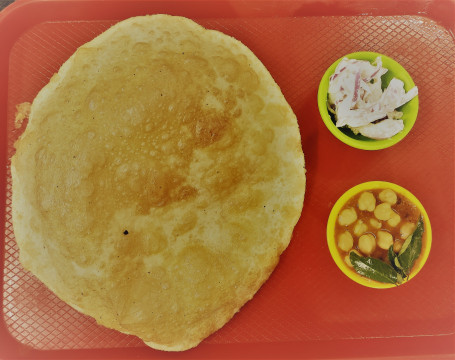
point(159, 178)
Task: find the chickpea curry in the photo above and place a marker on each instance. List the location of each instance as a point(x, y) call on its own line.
point(379, 235)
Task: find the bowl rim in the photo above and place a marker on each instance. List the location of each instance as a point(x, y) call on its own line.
point(369, 144)
point(370, 185)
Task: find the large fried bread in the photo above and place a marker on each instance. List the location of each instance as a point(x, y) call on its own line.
point(159, 179)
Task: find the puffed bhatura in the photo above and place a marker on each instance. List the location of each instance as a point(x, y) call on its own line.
point(159, 178)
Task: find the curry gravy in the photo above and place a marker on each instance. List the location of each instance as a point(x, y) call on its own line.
point(408, 212)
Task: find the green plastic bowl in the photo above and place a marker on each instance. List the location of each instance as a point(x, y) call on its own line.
point(409, 109)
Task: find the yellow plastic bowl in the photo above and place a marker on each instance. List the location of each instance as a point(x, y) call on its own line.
point(409, 109)
point(426, 243)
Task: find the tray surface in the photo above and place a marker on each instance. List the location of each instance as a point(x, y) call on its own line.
point(307, 298)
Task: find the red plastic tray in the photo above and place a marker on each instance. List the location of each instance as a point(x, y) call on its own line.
point(308, 308)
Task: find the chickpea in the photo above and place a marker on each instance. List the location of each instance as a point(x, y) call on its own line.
point(397, 245)
point(367, 244)
point(383, 211)
point(407, 229)
point(388, 196)
point(347, 217)
point(345, 241)
point(385, 239)
point(394, 219)
point(347, 258)
point(360, 228)
point(367, 201)
point(375, 223)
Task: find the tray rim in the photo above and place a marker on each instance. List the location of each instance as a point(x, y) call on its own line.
point(34, 12)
